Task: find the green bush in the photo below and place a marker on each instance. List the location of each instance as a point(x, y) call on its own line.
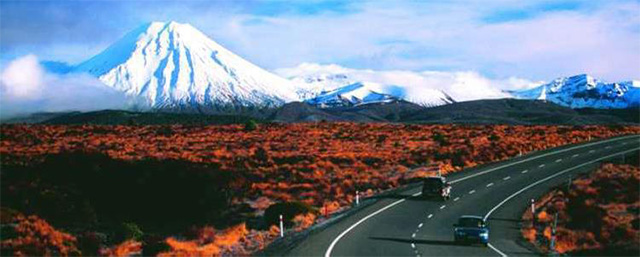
point(441, 139)
point(288, 210)
point(250, 125)
point(129, 230)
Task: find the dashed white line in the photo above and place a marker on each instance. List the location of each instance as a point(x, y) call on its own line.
point(490, 184)
point(472, 191)
point(558, 160)
point(456, 199)
point(430, 215)
point(413, 245)
point(575, 155)
point(506, 178)
point(608, 147)
point(538, 157)
point(541, 165)
point(624, 143)
point(335, 241)
point(341, 235)
point(442, 207)
point(419, 226)
point(524, 171)
point(542, 181)
point(413, 235)
point(592, 151)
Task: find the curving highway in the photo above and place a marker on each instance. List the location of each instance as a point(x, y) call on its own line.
point(404, 224)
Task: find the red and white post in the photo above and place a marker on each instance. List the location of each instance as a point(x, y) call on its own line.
point(281, 227)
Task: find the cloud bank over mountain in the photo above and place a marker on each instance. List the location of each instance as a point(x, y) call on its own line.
point(460, 85)
point(26, 87)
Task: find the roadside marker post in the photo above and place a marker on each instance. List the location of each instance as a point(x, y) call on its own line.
point(281, 227)
point(357, 197)
point(552, 246)
point(533, 207)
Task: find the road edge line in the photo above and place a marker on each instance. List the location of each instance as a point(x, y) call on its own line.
point(544, 180)
point(335, 241)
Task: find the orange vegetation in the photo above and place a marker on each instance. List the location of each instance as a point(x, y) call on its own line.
point(320, 164)
point(35, 237)
point(308, 162)
point(126, 248)
point(209, 242)
point(599, 213)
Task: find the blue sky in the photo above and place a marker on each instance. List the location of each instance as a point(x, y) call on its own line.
point(537, 40)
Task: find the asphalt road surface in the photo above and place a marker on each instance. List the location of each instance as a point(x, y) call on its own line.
point(405, 224)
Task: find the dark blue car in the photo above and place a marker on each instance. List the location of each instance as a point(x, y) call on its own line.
point(471, 229)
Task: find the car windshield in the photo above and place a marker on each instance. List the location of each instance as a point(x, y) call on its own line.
point(471, 222)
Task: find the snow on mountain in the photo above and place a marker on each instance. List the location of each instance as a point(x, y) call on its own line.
point(173, 65)
point(584, 91)
point(429, 88)
point(350, 95)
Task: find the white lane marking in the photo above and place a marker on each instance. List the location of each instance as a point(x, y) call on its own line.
point(608, 147)
point(490, 184)
point(335, 241)
point(624, 143)
point(341, 235)
point(413, 245)
point(592, 151)
point(456, 199)
point(541, 166)
point(413, 235)
point(524, 171)
point(575, 155)
point(442, 207)
point(539, 156)
point(419, 226)
point(544, 180)
point(558, 160)
point(472, 191)
point(430, 215)
point(506, 178)
point(497, 251)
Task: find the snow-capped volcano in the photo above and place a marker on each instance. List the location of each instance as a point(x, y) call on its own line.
point(584, 91)
point(173, 65)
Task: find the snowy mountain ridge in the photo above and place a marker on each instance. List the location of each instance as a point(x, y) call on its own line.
point(351, 95)
point(175, 66)
point(584, 91)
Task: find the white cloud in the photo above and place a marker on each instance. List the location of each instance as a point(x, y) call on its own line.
point(25, 87)
point(22, 79)
point(461, 85)
point(602, 41)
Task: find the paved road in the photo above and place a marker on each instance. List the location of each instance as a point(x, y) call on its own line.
point(404, 224)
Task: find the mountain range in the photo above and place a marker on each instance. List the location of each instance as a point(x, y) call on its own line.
point(174, 66)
